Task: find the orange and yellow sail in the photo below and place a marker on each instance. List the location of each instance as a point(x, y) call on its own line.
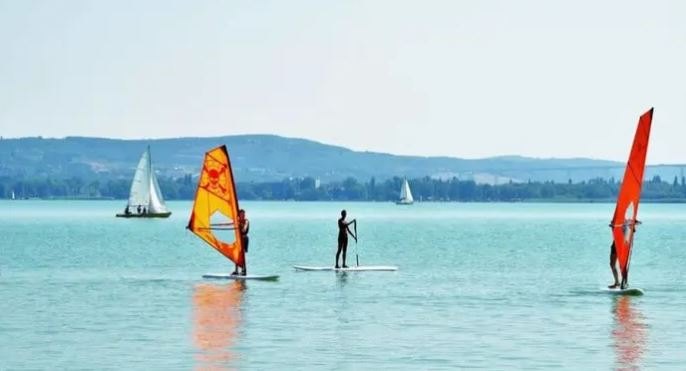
point(216, 206)
point(624, 220)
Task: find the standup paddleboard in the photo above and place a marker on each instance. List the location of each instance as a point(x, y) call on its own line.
point(237, 277)
point(630, 291)
point(349, 269)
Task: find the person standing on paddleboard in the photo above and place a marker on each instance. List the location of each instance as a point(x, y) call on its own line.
point(343, 230)
point(244, 225)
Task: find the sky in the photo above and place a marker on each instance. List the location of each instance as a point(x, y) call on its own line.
point(465, 79)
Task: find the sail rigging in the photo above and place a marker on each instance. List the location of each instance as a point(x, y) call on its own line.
point(624, 220)
point(216, 206)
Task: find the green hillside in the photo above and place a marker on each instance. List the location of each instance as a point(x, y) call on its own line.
point(269, 158)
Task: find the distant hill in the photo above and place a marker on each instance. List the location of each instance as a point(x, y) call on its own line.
point(270, 157)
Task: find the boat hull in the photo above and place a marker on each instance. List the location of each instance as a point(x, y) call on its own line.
point(404, 202)
point(149, 215)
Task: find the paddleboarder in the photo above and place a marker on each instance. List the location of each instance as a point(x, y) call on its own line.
point(343, 230)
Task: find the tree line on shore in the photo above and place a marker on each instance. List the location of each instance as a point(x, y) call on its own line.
point(350, 189)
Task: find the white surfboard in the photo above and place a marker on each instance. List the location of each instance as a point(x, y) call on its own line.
point(633, 291)
point(238, 277)
point(360, 268)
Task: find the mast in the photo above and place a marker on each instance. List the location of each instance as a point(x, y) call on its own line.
point(234, 199)
point(149, 180)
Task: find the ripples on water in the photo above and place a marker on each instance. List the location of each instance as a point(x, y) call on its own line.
point(494, 286)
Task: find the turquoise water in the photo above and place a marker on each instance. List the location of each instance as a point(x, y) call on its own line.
point(493, 286)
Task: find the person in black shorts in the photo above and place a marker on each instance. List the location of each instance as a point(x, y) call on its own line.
point(343, 230)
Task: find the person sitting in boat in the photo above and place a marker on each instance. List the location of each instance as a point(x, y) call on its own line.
point(127, 211)
point(343, 230)
point(144, 210)
point(138, 209)
point(244, 228)
point(613, 265)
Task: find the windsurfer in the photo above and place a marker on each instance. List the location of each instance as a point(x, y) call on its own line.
point(613, 266)
point(244, 226)
point(343, 230)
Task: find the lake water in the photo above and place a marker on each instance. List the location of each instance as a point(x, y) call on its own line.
point(494, 286)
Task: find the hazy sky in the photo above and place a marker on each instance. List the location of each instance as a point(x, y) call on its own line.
point(459, 78)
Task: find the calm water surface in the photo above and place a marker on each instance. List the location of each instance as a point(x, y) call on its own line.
point(494, 286)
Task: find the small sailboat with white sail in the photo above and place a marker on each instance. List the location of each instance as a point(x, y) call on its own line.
point(214, 217)
point(624, 220)
point(145, 197)
point(405, 194)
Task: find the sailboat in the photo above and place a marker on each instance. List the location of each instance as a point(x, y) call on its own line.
point(12, 196)
point(624, 220)
point(405, 194)
point(214, 217)
point(145, 197)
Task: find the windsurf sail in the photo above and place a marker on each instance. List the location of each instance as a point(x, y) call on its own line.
point(145, 191)
point(216, 206)
point(624, 220)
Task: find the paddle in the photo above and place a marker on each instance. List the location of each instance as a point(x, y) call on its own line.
point(357, 257)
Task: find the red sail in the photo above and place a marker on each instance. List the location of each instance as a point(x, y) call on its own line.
point(624, 220)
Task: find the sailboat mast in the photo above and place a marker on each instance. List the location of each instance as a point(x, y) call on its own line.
point(150, 187)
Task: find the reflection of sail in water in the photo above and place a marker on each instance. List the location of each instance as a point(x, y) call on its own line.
point(629, 333)
point(217, 317)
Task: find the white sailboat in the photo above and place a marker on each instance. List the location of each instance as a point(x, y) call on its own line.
point(405, 194)
point(145, 197)
point(12, 195)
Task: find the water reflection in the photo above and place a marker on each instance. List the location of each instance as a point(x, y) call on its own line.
point(629, 334)
point(217, 318)
point(342, 278)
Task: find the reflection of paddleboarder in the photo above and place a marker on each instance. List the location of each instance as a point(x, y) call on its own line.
point(343, 230)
